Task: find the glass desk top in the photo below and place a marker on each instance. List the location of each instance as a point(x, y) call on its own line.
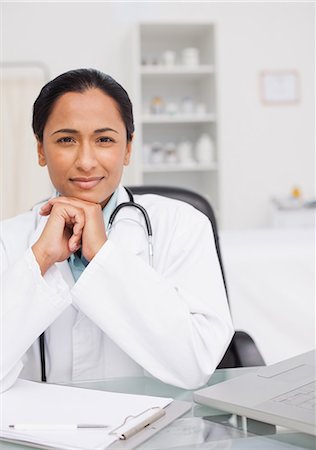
point(202, 427)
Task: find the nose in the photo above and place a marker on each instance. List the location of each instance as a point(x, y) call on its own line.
point(86, 157)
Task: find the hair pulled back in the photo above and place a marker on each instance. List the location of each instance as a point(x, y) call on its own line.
point(80, 80)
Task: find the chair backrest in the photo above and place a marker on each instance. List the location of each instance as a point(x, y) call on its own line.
point(198, 201)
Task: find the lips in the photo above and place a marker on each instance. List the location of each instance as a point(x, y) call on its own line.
point(86, 183)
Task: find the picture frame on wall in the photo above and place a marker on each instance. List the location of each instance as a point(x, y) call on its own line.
point(279, 87)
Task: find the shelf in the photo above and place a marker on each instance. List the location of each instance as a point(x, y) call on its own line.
point(177, 118)
point(192, 167)
point(176, 70)
point(177, 92)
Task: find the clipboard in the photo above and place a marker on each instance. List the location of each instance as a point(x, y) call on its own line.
point(175, 410)
point(24, 392)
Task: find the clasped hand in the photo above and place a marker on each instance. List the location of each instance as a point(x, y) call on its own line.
point(72, 224)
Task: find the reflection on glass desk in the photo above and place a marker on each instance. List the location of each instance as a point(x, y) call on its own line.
point(202, 427)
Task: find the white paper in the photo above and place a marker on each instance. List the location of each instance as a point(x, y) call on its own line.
point(30, 402)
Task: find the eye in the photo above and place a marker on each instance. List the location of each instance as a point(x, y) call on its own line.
point(66, 140)
point(105, 139)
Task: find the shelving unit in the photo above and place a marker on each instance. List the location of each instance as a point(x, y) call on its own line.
point(175, 102)
point(178, 168)
point(177, 118)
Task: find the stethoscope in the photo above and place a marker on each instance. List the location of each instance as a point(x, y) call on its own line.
point(130, 203)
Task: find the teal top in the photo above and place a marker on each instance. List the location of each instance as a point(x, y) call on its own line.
point(78, 262)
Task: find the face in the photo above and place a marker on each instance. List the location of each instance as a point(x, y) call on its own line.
point(85, 146)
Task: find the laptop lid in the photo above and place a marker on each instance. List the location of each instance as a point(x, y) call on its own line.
point(280, 394)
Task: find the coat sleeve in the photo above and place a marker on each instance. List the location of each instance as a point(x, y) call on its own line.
point(29, 304)
point(174, 321)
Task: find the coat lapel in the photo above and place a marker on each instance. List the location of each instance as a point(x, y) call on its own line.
point(129, 228)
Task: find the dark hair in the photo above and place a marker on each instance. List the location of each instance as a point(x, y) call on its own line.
point(80, 80)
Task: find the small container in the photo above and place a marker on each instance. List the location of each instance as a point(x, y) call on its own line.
point(171, 154)
point(187, 105)
point(201, 109)
point(156, 105)
point(169, 58)
point(185, 152)
point(204, 149)
point(190, 56)
point(171, 108)
point(156, 153)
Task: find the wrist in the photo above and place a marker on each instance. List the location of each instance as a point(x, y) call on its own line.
point(90, 252)
point(44, 260)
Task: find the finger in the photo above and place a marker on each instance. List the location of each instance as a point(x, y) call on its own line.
point(73, 219)
point(74, 244)
point(46, 209)
point(90, 208)
point(76, 218)
point(70, 200)
point(77, 228)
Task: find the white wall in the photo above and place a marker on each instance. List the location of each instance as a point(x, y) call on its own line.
point(265, 150)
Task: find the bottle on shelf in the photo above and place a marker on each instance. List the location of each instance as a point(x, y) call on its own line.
point(185, 152)
point(204, 149)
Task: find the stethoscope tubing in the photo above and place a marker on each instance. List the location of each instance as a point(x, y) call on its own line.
point(130, 203)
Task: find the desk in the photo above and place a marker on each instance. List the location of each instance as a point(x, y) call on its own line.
point(203, 427)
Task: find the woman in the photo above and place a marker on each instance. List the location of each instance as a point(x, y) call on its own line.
point(105, 310)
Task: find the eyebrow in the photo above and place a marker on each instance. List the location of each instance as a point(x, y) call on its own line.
point(72, 131)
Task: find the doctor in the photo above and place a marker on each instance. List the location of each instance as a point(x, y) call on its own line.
point(105, 310)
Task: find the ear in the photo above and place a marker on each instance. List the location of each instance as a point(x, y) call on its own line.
point(40, 153)
point(128, 152)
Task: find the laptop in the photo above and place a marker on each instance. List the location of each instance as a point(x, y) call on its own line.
point(281, 394)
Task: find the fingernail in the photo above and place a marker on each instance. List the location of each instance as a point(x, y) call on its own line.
point(75, 247)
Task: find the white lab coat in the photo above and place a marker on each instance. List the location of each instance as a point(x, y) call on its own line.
point(122, 317)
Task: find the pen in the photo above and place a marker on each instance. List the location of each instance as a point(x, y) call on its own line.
point(51, 426)
point(145, 423)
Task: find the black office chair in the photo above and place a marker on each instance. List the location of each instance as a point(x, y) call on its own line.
point(242, 351)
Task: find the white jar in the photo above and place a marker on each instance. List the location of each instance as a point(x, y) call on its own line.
point(185, 152)
point(187, 105)
point(204, 149)
point(201, 108)
point(169, 57)
point(191, 56)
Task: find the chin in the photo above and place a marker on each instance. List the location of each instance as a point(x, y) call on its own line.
point(93, 198)
point(85, 196)
point(90, 198)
